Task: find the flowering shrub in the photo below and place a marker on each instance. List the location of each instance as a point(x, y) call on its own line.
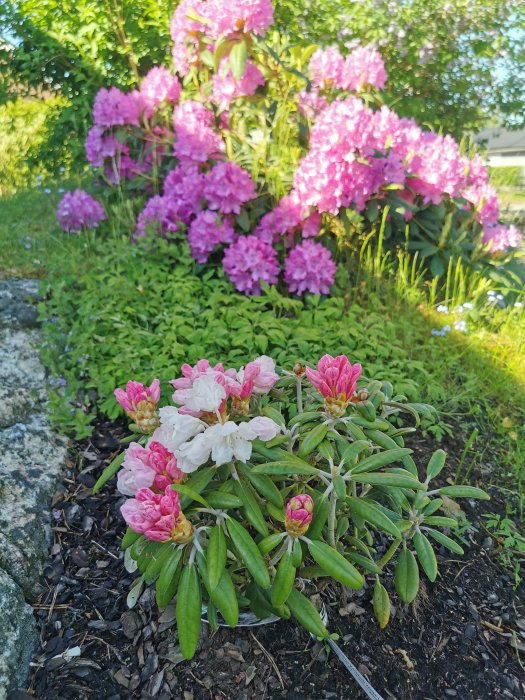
point(78, 210)
point(259, 480)
point(288, 143)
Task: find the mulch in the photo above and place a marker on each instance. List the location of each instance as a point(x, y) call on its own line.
point(461, 638)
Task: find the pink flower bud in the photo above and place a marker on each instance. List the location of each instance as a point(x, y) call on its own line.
point(336, 380)
point(140, 403)
point(299, 510)
point(157, 516)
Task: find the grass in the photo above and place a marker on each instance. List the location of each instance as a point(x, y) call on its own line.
point(477, 377)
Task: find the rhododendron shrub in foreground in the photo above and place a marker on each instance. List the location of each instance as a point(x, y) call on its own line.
point(249, 144)
point(254, 483)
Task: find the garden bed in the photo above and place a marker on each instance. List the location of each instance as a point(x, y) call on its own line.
point(457, 640)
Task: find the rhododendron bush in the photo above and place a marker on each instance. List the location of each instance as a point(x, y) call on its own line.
point(253, 483)
point(261, 155)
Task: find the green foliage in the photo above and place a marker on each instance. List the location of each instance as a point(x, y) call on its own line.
point(510, 540)
point(506, 176)
point(25, 125)
point(452, 64)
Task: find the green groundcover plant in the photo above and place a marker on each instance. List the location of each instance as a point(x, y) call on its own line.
point(259, 481)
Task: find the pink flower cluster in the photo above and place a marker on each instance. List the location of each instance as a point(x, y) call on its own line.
point(226, 88)
point(249, 261)
point(152, 467)
point(298, 514)
point(78, 210)
point(207, 231)
point(335, 379)
point(196, 141)
point(501, 238)
point(309, 268)
point(362, 67)
point(159, 87)
point(154, 515)
point(140, 403)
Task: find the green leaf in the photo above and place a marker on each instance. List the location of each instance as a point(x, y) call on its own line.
point(335, 564)
point(381, 459)
point(285, 467)
point(268, 543)
point(312, 439)
point(372, 514)
point(190, 493)
point(213, 620)
point(284, 580)
point(249, 553)
point(158, 562)
point(197, 483)
point(353, 450)
point(381, 603)
point(252, 509)
point(364, 562)
point(440, 521)
point(406, 576)
point(389, 479)
point(263, 484)
point(450, 544)
point(340, 486)
point(168, 579)
point(223, 500)
point(238, 58)
point(306, 417)
point(130, 537)
point(188, 611)
point(426, 555)
point(216, 555)
point(109, 471)
point(464, 492)
point(319, 518)
point(297, 553)
point(274, 414)
point(223, 595)
point(306, 614)
point(436, 464)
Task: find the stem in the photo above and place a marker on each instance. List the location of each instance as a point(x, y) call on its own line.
point(233, 471)
point(299, 393)
point(331, 519)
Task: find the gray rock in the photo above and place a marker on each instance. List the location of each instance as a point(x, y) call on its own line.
point(26, 315)
point(30, 463)
point(18, 638)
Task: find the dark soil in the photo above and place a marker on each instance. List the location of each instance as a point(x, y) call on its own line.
point(458, 640)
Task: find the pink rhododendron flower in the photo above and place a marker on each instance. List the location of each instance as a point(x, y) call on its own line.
point(286, 216)
point(298, 514)
point(183, 188)
point(206, 232)
point(311, 102)
point(309, 268)
point(363, 66)
point(140, 403)
point(260, 373)
point(501, 237)
point(158, 215)
point(78, 210)
point(485, 200)
point(157, 516)
point(152, 467)
point(326, 67)
point(98, 147)
point(232, 16)
point(158, 87)
point(227, 187)
point(226, 88)
point(185, 33)
point(195, 139)
point(311, 225)
point(336, 380)
point(115, 108)
point(249, 261)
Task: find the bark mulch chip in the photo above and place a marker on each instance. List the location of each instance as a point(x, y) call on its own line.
point(460, 639)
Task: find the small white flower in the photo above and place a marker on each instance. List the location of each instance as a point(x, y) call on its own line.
point(176, 428)
point(518, 305)
point(468, 305)
point(461, 326)
point(191, 455)
point(442, 309)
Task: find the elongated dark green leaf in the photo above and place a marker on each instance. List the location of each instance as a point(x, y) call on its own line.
point(312, 439)
point(306, 614)
point(168, 579)
point(447, 542)
point(381, 459)
point(190, 493)
point(388, 443)
point(440, 521)
point(249, 553)
point(251, 507)
point(223, 499)
point(432, 506)
point(335, 564)
point(188, 611)
point(319, 518)
point(373, 515)
point(213, 620)
point(381, 603)
point(340, 486)
point(197, 483)
point(268, 543)
point(406, 576)
point(263, 484)
point(464, 492)
point(297, 553)
point(109, 471)
point(159, 560)
point(436, 464)
point(216, 555)
point(389, 479)
point(364, 562)
point(130, 537)
point(306, 417)
point(285, 467)
point(223, 595)
point(353, 450)
point(426, 555)
point(284, 580)
point(274, 414)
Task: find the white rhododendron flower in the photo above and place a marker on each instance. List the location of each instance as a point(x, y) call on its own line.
point(176, 428)
point(205, 395)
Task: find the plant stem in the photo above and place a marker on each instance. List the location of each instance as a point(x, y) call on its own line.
point(389, 553)
point(331, 519)
point(299, 392)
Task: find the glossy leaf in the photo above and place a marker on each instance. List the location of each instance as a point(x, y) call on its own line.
point(216, 555)
point(426, 555)
point(284, 580)
point(381, 603)
point(373, 515)
point(188, 611)
point(335, 564)
point(249, 553)
point(406, 576)
point(306, 614)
